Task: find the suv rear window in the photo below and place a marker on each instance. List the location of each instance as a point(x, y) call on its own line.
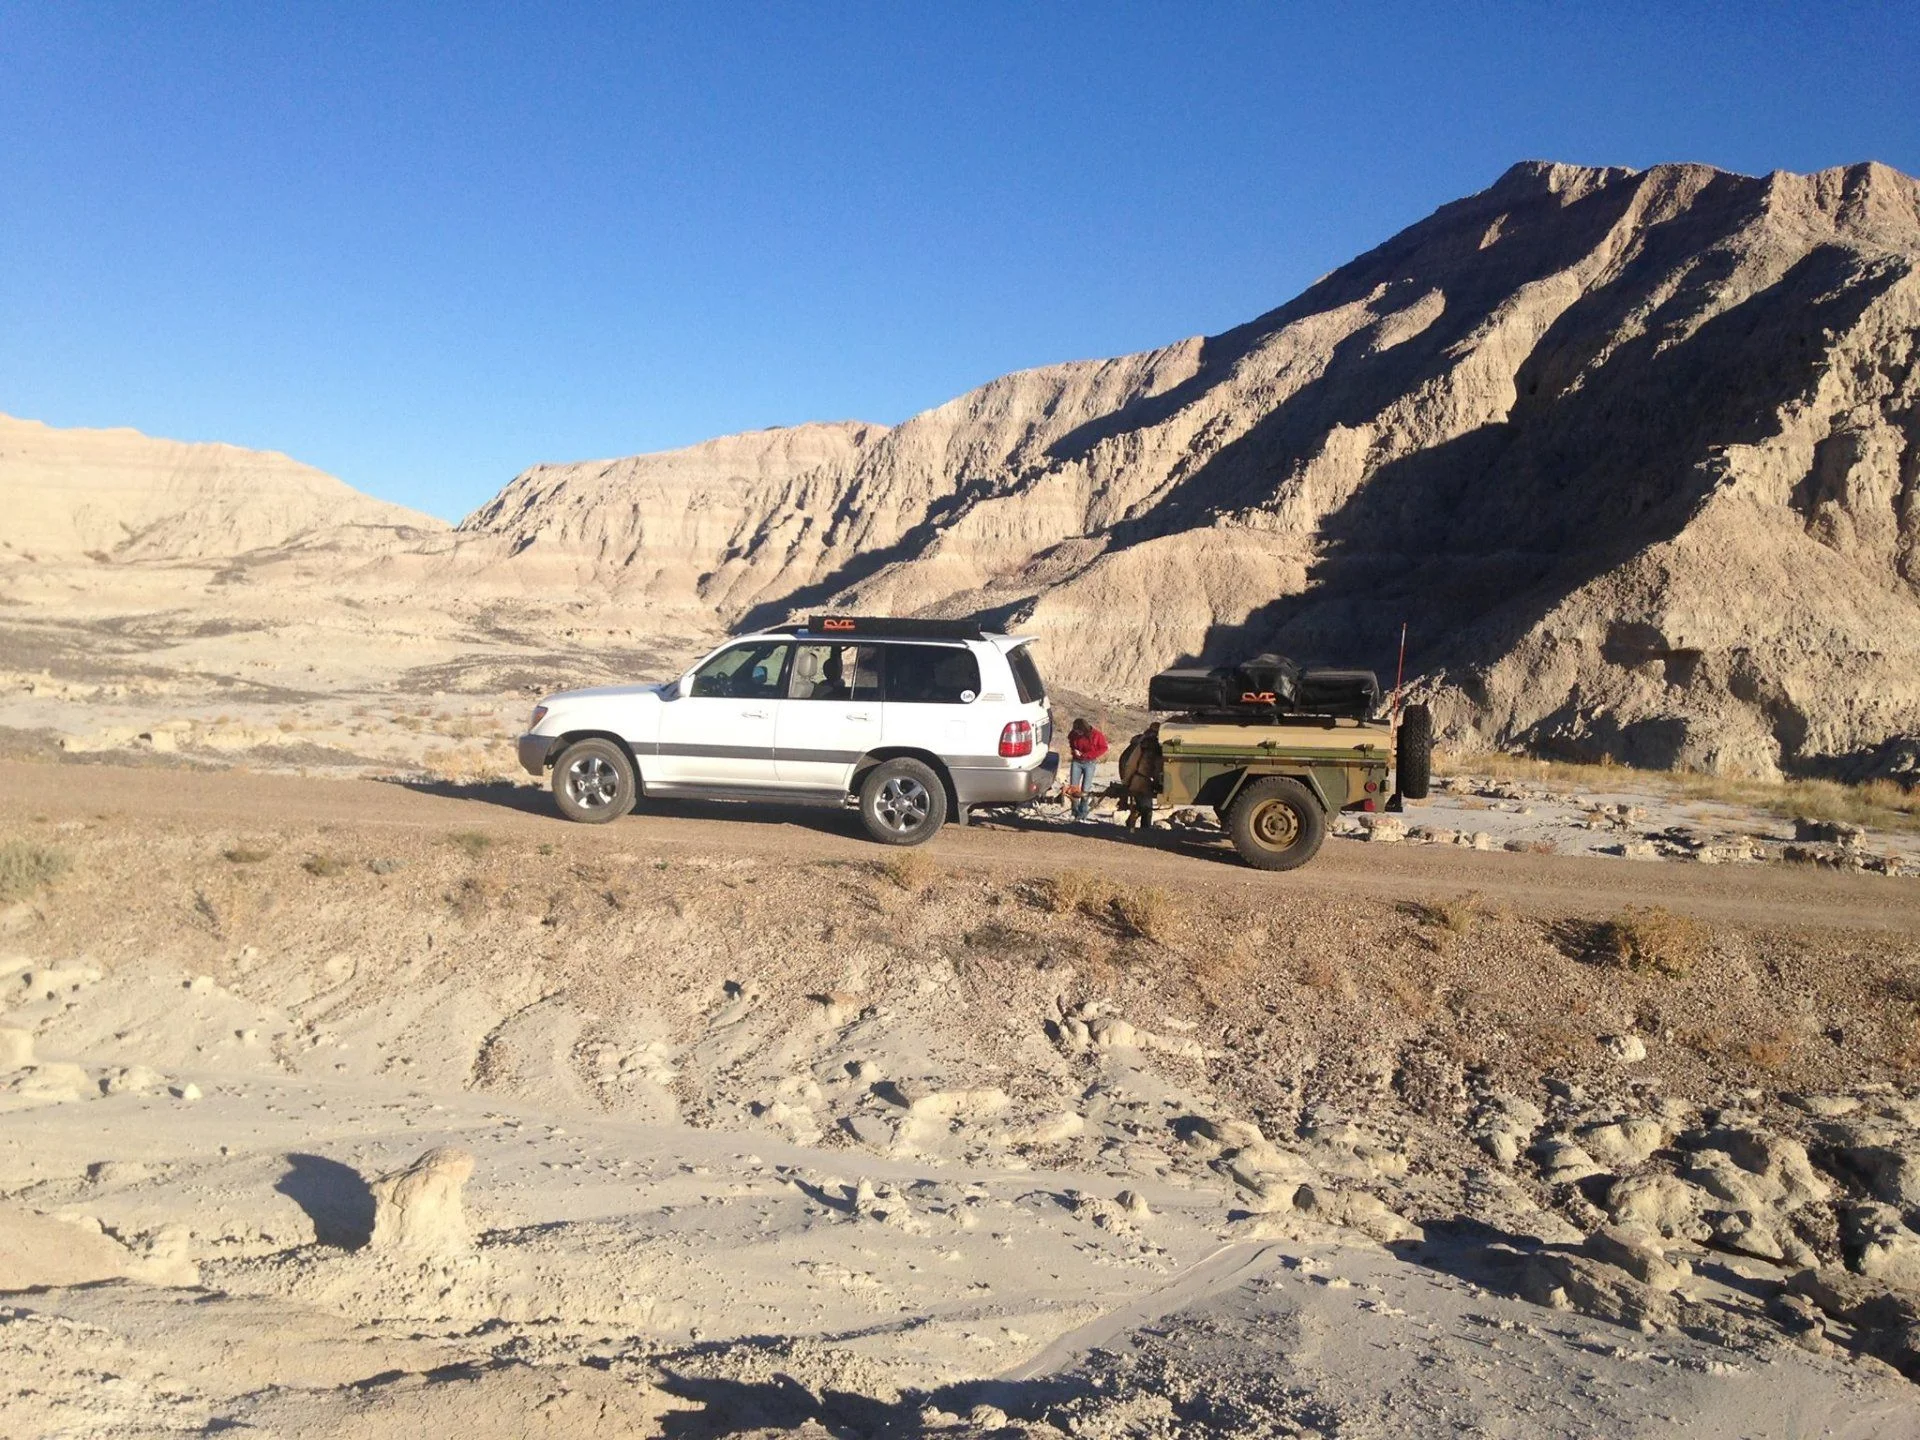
point(1026, 675)
point(930, 674)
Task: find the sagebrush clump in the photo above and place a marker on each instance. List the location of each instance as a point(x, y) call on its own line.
point(1654, 939)
point(26, 867)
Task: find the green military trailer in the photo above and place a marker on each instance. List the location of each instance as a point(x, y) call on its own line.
point(1275, 781)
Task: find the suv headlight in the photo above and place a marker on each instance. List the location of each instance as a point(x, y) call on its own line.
point(539, 714)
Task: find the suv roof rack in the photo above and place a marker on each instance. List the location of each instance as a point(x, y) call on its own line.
point(891, 626)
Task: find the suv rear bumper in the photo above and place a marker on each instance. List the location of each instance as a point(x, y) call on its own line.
point(996, 785)
point(535, 752)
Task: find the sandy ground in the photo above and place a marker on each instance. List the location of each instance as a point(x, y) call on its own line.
point(1040, 1131)
point(344, 1089)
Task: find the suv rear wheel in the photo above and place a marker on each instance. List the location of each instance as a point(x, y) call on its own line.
point(902, 802)
point(1276, 824)
point(593, 781)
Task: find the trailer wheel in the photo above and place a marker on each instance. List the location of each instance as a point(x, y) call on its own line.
point(1413, 753)
point(1276, 824)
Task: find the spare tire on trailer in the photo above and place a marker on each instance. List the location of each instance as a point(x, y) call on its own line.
point(1413, 753)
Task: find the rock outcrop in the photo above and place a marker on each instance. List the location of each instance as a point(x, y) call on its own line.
point(1637, 454)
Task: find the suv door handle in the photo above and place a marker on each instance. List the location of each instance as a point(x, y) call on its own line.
point(753, 714)
point(858, 715)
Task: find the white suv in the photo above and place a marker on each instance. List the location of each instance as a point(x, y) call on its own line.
point(913, 721)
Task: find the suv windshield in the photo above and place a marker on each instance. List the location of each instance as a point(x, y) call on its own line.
point(1026, 675)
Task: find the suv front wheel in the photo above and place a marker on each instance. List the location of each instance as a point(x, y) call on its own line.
point(902, 802)
point(593, 781)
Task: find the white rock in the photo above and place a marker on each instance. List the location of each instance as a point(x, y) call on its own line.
point(16, 1047)
point(187, 1091)
point(417, 1210)
point(1625, 1142)
point(1562, 1161)
point(1661, 1203)
point(1627, 1049)
point(134, 1080)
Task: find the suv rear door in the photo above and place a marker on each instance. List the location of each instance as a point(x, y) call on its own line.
point(831, 716)
point(929, 689)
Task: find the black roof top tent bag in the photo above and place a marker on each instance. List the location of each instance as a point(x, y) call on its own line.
point(1265, 687)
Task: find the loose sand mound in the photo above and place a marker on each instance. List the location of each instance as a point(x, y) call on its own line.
point(534, 1129)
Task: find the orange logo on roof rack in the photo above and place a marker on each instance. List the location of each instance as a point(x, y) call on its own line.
point(837, 625)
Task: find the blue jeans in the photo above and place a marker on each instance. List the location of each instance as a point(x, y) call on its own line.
point(1080, 773)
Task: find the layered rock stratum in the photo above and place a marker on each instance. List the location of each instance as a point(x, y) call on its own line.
point(1633, 453)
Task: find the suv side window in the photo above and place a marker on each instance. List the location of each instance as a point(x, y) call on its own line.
point(931, 674)
point(835, 672)
point(757, 671)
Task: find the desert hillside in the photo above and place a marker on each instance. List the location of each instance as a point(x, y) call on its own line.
point(1633, 451)
point(122, 495)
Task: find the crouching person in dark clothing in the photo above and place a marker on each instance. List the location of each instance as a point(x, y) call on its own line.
point(1143, 770)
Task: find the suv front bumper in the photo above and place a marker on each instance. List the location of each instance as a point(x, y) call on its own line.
point(981, 785)
point(535, 752)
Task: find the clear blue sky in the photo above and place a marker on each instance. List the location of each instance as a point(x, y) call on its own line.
point(424, 247)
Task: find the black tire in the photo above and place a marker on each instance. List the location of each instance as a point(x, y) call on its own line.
point(593, 781)
point(1413, 753)
point(1276, 824)
point(902, 802)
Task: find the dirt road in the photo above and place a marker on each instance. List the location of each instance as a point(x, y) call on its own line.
point(1772, 894)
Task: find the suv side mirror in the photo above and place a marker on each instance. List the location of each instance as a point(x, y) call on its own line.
point(680, 688)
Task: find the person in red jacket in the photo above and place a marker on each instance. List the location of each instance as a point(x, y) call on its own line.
point(1087, 745)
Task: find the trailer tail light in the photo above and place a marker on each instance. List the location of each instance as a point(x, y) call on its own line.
point(1016, 740)
point(1369, 804)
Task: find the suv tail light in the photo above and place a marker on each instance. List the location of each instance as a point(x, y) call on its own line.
point(1016, 740)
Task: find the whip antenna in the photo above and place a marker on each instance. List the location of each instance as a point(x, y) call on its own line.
point(1399, 672)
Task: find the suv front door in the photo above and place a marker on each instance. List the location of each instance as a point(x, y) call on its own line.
point(721, 732)
point(831, 716)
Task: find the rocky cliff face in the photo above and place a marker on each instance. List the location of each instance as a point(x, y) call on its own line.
point(1634, 453)
point(120, 494)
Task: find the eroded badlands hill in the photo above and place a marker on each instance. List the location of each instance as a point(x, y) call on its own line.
point(1634, 452)
point(126, 496)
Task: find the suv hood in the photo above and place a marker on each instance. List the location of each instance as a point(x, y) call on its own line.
point(604, 692)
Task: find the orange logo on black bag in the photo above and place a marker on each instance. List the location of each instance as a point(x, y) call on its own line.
point(1258, 697)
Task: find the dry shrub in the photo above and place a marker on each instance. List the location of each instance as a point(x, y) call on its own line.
point(1455, 914)
point(1409, 995)
point(244, 855)
point(26, 867)
point(1143, 911)
point(1148, 912)
point(1328, 974)
point(1765, 1052)
point(911, 870)
point(474, 842)
point(470, 899)
point(1073, 890)
point(324, 866)
point(1653, 938)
